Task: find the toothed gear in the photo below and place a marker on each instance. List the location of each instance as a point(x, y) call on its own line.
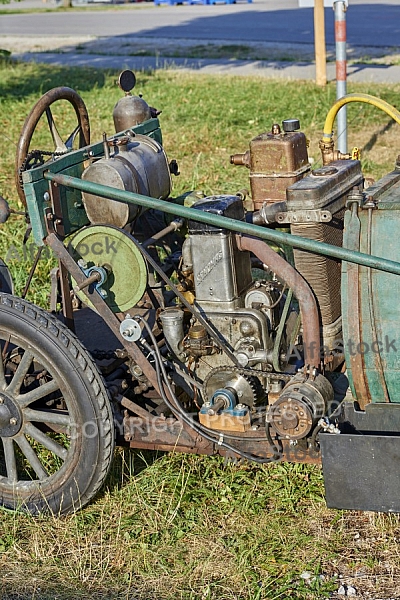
point(232, 377)
point(35, 158)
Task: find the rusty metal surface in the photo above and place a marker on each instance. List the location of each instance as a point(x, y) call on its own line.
point(108, 316)
point(301, 289)
point(351, 302)
point(104, 311)
point(321, 272)
point(276, 160)
point(167, 434)
point(278, 237)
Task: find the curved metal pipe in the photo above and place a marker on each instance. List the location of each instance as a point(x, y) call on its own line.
point(301, 289)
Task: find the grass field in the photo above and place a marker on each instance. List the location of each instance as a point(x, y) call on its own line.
point(187, 527)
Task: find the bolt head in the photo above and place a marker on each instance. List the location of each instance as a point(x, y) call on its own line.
point(13, 421)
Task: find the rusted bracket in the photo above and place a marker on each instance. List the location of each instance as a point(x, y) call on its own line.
point(55, 226)
point(101, 307)
point(107, 315)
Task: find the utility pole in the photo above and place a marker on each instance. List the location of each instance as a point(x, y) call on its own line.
point(319, 40)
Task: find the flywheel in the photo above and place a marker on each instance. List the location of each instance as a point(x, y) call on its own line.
point(114, 251)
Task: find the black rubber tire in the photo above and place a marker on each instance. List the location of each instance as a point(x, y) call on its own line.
point(77, 398)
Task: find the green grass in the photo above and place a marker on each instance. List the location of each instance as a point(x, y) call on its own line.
point(170, 527)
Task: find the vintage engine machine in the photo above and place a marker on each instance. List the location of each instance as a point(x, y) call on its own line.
point(268, 331)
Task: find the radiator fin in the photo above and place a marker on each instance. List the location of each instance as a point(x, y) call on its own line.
point(321, 272)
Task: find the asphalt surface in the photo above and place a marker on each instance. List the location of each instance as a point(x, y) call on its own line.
point(372, 24)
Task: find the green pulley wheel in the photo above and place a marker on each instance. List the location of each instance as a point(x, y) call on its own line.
point(114, 250)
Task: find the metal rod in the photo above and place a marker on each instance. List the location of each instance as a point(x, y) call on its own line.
point(32, 271)
point(278, 237)
point(92, 279)
point(174, 226)
point(341, 72)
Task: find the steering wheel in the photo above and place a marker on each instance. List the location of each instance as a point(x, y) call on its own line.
point(23, 161)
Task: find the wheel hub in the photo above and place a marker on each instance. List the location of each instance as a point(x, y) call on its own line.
point(10, 417)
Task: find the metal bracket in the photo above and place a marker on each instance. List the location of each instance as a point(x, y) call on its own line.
point(304, 216)
point(57, 209)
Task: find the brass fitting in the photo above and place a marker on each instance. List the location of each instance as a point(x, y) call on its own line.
point(241, 159)
point(329, 154)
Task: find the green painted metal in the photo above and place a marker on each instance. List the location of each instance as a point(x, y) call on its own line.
point(380, 309)
point(370, 298)
point(267, 234)
point(350, 281)
point(386, 191)
point(74, 216)
point(103, 245)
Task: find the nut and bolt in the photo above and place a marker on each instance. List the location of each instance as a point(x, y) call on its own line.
point(370, 203)
point(13, 421)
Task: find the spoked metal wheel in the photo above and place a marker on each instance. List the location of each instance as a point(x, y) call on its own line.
point(56, 423)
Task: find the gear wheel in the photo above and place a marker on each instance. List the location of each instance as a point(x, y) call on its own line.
point(223, 377)
point(35, 158)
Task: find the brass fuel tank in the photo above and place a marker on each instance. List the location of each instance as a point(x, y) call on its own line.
point(276, 160)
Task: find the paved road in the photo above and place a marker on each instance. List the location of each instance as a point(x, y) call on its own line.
point(368, 23)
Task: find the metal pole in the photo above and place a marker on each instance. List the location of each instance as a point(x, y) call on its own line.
point(319, 41)
point(105, 191)
point(341, 72)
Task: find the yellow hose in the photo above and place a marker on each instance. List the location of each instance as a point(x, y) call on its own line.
point(330, 117)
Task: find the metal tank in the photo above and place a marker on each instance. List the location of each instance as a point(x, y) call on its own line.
point(370, 297)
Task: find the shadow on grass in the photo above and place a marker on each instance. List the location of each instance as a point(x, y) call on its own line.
point(129, 463)
point(35, 82)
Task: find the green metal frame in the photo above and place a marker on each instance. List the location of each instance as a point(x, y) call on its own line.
point(73, 212)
